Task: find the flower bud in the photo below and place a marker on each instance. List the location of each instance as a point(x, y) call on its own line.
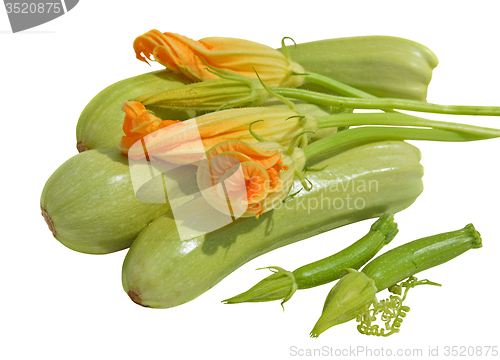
point(349, 297)
point(280, 285)
point(210, 95)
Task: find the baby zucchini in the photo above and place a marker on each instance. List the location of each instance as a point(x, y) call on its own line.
point(354, 293)
point(282, 284)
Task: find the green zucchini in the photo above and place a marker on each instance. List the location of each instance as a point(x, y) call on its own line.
point(90, 205)
point(162, 271)
point(411, 258)
point(383, 66)
point(354, 293)
point(100, 123)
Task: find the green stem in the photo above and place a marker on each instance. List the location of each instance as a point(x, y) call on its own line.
point(413, 257)
point(375, 133)
point(399, 119)
point(336, 86)
point(385, 104)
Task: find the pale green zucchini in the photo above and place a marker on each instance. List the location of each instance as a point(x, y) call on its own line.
point(162, 271)
point(100, 123)
point(383, 66)
point(90, 205)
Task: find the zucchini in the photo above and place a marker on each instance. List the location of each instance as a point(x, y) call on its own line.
point(100, 123)
point(383, 66)
point(161, 271)
point(90, 205)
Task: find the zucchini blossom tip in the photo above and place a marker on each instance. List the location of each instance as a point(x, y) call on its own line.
point(280, 285)
point(189, 57)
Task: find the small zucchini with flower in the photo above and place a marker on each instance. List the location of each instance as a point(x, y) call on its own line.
point(282, 284)
point(163, 269)
point(354, 294)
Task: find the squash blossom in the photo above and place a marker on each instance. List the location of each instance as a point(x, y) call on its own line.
point(189, 57)
point(138, 123)
point(246, 180)
point(187, 141)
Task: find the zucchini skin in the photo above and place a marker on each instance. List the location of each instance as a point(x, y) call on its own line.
point(100, 123)
point(411, 258)
point(161, 271)
point(355, 256)
point(383, 66)
point(90, 204)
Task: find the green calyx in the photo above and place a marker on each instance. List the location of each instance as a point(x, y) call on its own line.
point(229, 92)
point(280, 285)
point(348, 298)
point(353, 297)
point(386, 225)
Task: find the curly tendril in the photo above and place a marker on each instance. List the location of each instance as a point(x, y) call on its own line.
point(391, 310)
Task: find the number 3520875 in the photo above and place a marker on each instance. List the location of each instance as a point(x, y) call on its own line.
point(32, 8)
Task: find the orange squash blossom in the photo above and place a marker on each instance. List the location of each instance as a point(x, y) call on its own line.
point(183, 55)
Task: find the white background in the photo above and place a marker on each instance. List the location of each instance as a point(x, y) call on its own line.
point(59, 304)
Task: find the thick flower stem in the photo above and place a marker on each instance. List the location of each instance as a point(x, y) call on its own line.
point(336, 86)
point(386, 104)
point(376, 133)
point(399, 119)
